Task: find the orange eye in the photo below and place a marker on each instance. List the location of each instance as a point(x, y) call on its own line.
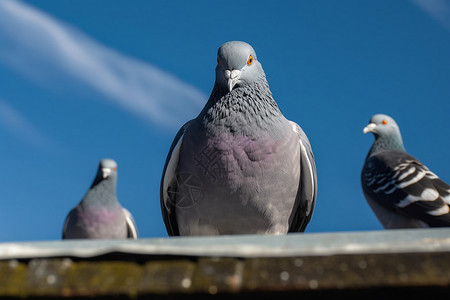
point(250, 60)
point(384, 122)
point(218, 61)
point(115, 169)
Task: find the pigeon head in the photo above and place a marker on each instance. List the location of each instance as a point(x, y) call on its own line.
point(107, 168)
point(386, 132)
point(382, 126)
point(237, 65)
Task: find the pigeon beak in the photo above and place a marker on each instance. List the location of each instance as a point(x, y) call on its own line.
point(232, 78)
point(106, 172)
point(369, 128)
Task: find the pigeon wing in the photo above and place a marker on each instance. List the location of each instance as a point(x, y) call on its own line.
point(132, 232)
point(169, 184)
point(72, 214)
point(398, 181)
point(307, 192)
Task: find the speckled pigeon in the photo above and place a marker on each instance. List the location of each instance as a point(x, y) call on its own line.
point(240, 167)
point(99, 215)
point(401, 191)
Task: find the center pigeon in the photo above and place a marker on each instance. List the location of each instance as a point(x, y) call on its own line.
point(99, 215)
point(239, 167)
point(401, 191)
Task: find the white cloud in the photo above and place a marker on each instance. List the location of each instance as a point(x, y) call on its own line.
point(50, 52)
point(17, 125)
point(437, 9)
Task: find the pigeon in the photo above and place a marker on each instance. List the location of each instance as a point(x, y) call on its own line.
point(402, 192)
point(99, 215)
point(239, 167)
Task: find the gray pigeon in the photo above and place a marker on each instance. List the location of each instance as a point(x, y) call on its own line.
point(401, 191)
point(240, 167)
point(99, 215)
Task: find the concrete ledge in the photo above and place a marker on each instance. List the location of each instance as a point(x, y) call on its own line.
point(393, 241)
point(421, 270)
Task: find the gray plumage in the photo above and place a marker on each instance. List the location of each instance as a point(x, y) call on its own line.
point(99, 215)
point(402, 192)
point(240, 167)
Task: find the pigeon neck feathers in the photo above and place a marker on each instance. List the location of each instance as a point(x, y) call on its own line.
point(245, 108)
point(392, 142)
point(102, 191)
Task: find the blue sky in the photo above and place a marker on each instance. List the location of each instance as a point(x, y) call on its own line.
point(81, 81)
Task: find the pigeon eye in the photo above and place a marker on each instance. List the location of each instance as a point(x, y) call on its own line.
point(384, 122)
point(218, 61)
point(115, 169)
point(250, 60)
